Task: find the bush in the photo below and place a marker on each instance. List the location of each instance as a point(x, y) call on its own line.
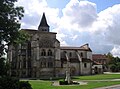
point(9, 83)
point(63, 82)
point(13, 83)
point(24, 85)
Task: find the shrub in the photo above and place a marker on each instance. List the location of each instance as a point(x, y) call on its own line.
point(63, 82)
point(24, 85)
point(13, 83)
point(9, 83)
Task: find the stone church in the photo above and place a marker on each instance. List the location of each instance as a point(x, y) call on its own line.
point(41, 56)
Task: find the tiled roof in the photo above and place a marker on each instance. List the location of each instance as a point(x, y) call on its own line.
point(98, 56)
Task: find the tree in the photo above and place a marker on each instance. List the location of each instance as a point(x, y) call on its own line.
point(2, 67)
point(115, 64)
point(10, 34)
point(110, 57)
point(9, 23)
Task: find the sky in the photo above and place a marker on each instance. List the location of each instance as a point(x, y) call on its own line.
point(77, 22)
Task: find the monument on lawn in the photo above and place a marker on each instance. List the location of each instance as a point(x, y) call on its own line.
point(68, 79)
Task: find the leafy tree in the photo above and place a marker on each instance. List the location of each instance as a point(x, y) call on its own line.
point(9, 23)
point(110, 57)
point(4, 67)
point(10, 15)
point(115, 64)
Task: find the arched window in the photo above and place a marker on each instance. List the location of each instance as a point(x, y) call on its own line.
point(43, 53)
point(49, 52)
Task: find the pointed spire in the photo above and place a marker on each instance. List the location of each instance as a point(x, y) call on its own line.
point(43, 24)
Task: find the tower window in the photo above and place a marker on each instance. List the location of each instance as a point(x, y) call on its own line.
point(43, 29)
point(49, 52)
point(43, 53)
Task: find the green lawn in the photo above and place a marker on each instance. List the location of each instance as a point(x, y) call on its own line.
point(98, 77)
point(47, 85)
point(41, 84)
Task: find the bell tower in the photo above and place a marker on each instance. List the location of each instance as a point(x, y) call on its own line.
point(43, 26)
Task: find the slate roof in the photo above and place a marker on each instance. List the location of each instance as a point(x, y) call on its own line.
point(43, 22)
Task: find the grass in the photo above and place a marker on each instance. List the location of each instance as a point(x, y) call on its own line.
point(41, 84)
point(98, 77)
point(47, 85)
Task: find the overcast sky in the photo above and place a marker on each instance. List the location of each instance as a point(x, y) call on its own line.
point(96, 22)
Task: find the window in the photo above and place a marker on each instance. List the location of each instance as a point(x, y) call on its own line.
point(23, 51)
point(43, 64)
point(81, 54)
point(43, 53)
point(49, 52)
point(29, 63)
point(44, 30)
point(50, 64)
point(85, 65)
point(24, 63)
point(70, 54)
point(23, 46)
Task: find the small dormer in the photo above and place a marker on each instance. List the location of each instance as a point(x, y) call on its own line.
point(43, 26)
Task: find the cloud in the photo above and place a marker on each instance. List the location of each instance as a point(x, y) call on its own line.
point(33, 12)
point(116, 51)
point(80, 23)
point(106, 28)
point(82, 13)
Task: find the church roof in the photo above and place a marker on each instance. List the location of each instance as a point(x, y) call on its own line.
point(43, 22)
point(83, 47)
